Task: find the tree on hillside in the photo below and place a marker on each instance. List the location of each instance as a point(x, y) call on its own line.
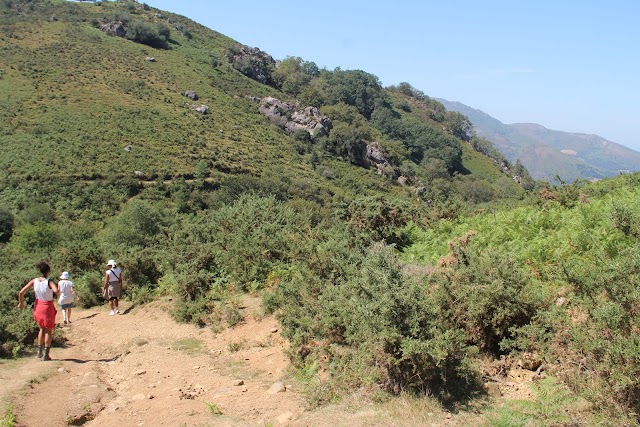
point(357, 88)
point(458, 125)
point(293, 74)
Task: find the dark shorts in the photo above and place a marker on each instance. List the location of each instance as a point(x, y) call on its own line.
point(65, 306)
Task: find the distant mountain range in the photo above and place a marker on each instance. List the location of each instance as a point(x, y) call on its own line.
point(547, 153)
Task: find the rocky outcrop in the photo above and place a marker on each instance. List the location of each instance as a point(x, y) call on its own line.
point(115, 28)
point(252, 62)
point(291, 119)
point(375, 157)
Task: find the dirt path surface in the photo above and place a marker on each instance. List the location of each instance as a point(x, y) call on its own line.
point(141, 368)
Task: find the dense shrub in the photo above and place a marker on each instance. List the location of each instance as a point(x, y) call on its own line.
point(357, 88)
point(381, 218)
point(7, 221)
point(89, 288)
point(603, 333)
point(485, 293)
point(376, 328)
point(155, 36)
point(38, 238)
point(252, 236)
point(17, 328)
point(142, 268)
point(138, 225)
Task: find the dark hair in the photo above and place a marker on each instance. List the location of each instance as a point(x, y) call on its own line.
point(43, 268)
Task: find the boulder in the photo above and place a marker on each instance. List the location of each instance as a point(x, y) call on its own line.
point(115, 28)
point(202, 109)
point(291, 119)
point(191, 94)
point(374, 156)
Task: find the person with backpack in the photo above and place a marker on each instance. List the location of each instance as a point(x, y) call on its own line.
point(44, 310)
point(112, 286)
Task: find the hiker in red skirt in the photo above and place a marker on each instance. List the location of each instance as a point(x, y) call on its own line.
point(44, 312)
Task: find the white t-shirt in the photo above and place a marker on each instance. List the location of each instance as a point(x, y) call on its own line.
point(114, 274)
point(66, 296)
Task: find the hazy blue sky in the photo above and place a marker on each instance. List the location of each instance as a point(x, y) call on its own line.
point(571, 65)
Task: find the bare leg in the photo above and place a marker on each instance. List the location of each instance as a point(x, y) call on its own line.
point(69, 315)
point(47, 343)
point(40, 343)
point(47, 336)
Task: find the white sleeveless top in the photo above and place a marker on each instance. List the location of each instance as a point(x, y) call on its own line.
point(42, 290)
point(114, 274)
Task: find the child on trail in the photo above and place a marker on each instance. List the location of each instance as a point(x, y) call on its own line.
point(44, 311)
point(112, 286)
point(67, 296)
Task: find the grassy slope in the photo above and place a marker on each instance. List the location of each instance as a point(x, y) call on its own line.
point(72, 97)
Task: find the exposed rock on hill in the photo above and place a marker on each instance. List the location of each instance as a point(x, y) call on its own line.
point(374, 156)
point(291, 119)
point(115, 28)
point(191, 94)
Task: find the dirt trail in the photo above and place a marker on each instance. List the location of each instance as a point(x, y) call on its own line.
point(141, 368)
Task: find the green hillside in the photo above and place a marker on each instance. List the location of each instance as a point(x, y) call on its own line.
point(399, 253)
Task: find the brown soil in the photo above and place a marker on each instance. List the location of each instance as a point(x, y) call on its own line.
point(141, 368)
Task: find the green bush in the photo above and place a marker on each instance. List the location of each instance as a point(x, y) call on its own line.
point(253, 235)
point(138, 225)
point(485, 293)
point(381, 218)
point(17, 327)
point(89, 289)
point(7, 221)
point(39, 238)
point(155, 36)
point(376, 328)
point(141, 268)
point(197, 311)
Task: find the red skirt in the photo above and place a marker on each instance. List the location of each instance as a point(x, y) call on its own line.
point(44, 314)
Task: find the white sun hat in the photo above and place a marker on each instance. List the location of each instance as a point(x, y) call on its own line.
point(111, 262)
point(64, 275)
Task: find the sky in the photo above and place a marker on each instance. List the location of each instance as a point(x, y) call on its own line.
point(570, 65)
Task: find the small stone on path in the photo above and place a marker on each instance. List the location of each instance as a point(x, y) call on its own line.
point(238, 382)
point(277, 388)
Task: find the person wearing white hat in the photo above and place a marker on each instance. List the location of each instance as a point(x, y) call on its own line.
point(67, 296)
point(112, 286)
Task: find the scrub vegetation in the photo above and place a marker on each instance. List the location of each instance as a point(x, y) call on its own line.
point(391, 287)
